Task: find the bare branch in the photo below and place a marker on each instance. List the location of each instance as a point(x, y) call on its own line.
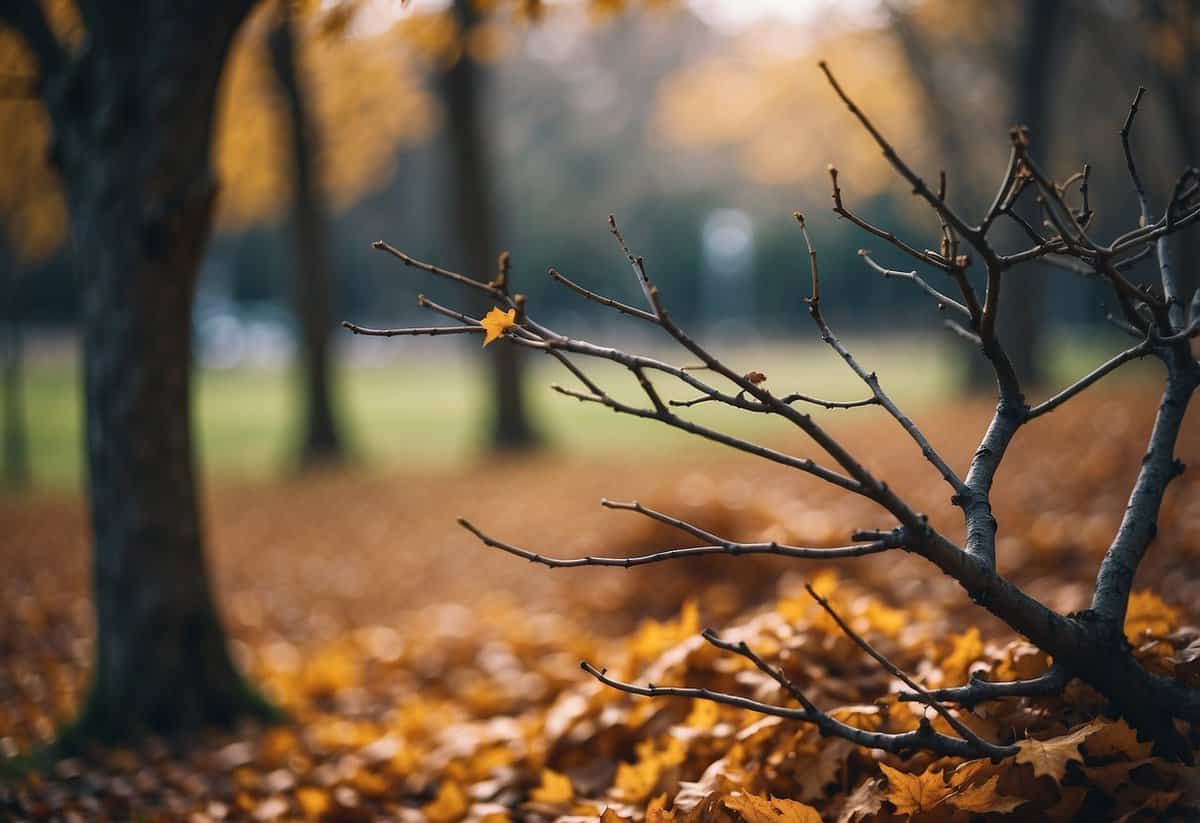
point(965, 731)
point(720, 546)
point(1140, 350)
point(558, 276)
point(872, 381)
point(435, 331)
point(1051, 682)
point(943, 301)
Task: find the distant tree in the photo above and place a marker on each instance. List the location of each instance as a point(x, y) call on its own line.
point(32, 219)
point(474, 208)
point(320, 439)
point(131, 98)
point(1021, 46)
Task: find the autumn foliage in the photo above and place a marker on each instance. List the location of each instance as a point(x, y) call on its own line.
point(405, 703)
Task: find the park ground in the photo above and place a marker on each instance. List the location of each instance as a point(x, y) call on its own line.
point(430, 678)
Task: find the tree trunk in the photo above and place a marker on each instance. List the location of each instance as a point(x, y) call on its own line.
point(1043, 43)
point(321, 442)
point(133, 121)
point(1177, 85)
point(474, 215)
point(15, 438)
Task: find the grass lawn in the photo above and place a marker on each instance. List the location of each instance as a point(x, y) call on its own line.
point(425, 411)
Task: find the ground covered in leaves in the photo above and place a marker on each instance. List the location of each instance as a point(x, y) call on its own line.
point(429, 678)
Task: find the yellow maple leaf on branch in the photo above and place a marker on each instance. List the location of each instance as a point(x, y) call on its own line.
point(496, 322)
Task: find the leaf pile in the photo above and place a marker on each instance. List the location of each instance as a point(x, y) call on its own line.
point(430, 679)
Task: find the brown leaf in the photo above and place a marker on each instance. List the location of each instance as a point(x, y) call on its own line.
point(983, 798)
point(1050, 757)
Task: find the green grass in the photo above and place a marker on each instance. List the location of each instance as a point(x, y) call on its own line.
point(421, 413)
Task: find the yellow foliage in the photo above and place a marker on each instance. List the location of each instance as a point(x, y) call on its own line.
point(1149, 615)
point(362, 95)
point(780, 119)
point(448, 806)
point(555, 790)
point(497, 322)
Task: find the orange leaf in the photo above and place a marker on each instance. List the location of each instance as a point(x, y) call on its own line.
point(756, 809)
point(496, 322)
point(556, 789)
point(914, 793)
point(449, 806)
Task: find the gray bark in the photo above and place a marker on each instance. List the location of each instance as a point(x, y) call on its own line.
point(132, 113)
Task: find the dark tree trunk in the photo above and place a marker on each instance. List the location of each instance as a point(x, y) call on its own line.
point(133, 121)
point(1177, 85)
point(475, 218)
point(16, 437)
point(321, 441)
point(1043, 42)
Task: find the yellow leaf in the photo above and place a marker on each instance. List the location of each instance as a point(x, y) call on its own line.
point(704, 715)
point(756, 809)
point(1149, 615)
point(984, 799)
point(556, 789)
point(1050, 757)
point(313, 802)
point(911, 793)
point(965, 649)
point(496, 322)
point(635, 781)
point(449, 806)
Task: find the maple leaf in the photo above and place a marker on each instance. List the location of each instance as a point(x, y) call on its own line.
point(1050, 757)
point(756, 809)
point(496, 322)
point(556, 789)
point(911, 793)
point(862, 802)
point(983, 798)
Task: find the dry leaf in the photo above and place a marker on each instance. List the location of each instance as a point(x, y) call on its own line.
point(911, 794)
point(1050, 757)
point(756, 809)
point(497, 322)
point(556, 789)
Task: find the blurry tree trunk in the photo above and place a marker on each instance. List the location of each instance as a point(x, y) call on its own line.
point(321, 442)
point(475, 218)
point(132, 113)
point(1177, 83)
point(16, 437)
point(1043, 40)
point(1039, 44)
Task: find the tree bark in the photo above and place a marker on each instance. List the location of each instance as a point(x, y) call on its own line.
point(132, 112)
point(16, 473)
point(321, 441)
point(475, 217)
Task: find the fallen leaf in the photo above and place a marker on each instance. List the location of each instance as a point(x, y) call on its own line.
point(1050, 757)
point(911, 794)
point(555, 790)
point(984, 799)
point(756, 809)
point(449, 805)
